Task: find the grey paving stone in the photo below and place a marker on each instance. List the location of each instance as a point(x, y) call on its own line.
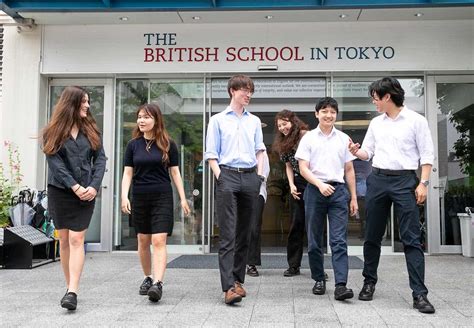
point(108, 297)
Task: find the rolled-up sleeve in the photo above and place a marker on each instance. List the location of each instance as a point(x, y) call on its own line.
point(424, 142)
point(212, 140)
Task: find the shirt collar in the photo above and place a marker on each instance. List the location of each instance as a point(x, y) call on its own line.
point(229, 110)
point(333, 131)
point(402, 114)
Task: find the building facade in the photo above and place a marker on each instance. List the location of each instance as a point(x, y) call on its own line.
point(182, 59)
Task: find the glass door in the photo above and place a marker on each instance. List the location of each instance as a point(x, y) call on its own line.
point(98, 236)
point(452, 188)
point(182, 104)
point(355, 113)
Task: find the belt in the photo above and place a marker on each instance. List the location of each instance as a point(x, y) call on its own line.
point(392, 172)
point(334, 183)
point(239, 169)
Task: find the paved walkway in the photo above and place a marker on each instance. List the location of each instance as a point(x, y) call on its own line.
point(192, 298)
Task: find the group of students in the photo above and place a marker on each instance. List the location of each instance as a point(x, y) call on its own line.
point(319, 170)
point(322, 181)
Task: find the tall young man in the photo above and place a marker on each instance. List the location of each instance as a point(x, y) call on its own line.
point(398, 141)
point(234, 150)
point(326, 163)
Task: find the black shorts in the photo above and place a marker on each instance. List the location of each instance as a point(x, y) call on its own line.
point(153, 212)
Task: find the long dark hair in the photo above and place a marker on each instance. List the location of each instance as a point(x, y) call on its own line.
point(66, 114)
point(159, 132)
point(284, 144)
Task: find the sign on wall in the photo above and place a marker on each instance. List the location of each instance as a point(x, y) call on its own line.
point(306, 47)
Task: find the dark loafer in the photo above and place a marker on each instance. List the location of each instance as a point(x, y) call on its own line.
point(422, 304)
point(231, 297)
point(290, 272)
point(342, 293)
point(367, 292)
point(239, 289)
point(69, 301)
point(319, 288)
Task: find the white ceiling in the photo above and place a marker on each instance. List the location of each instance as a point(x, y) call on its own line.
point(254, 16)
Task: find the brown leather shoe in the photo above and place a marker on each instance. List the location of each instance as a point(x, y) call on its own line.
point(239, 289)
point(231, 297)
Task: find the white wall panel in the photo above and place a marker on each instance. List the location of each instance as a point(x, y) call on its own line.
point(408, 46)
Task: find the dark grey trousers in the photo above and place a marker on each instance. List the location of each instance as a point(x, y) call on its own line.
point(255, 245)
point(237, 194)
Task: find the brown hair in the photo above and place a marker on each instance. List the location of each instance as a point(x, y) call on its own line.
point(237, 82)
point(66, 115)
point(284, 144)
point(159, 132)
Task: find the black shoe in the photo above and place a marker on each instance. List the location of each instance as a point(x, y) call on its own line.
point(145, 286)
point(69, 301)
point(342, 293)
point(155, 292)
point(422, 304)
point(367, 292)
point(326, 277)
point(62, 299)
point(291, 271)
point(319, 288)
point(252, 271)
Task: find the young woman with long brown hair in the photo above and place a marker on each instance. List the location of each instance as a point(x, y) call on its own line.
point(289, 131)
point(150, 158)
point(76, 165)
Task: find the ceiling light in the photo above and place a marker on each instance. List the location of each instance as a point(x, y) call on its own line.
point(124, 18)
point(419, 14)
point(269, 17)
point(196, 17)
point(342, 16)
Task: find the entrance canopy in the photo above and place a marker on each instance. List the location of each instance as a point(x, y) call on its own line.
point(14, 8)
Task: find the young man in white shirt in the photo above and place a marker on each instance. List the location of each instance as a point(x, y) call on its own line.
point(326, 163)
point(398, 141)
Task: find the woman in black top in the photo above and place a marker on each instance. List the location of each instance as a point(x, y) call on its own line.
point(151, 156)
point(290, 131)
point(76, 166)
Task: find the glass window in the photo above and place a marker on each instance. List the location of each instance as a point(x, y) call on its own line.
point(455, 117)
point(96, 99)
point(182, 105)
point(355, 113)
point(271, 96)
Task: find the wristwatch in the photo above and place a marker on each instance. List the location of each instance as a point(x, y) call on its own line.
point(425, 182)
point(262, 178)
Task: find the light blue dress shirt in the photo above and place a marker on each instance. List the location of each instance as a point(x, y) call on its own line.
point(233, 140)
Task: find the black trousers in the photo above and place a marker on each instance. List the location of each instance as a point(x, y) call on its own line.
point(255, 245)
point(294, 248)
point(382, 191)
point(237, 194)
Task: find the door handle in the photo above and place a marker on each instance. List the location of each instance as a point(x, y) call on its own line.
point(439, 187)
point(104, 187)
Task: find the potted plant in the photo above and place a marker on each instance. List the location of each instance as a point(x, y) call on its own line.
point(10, 179)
